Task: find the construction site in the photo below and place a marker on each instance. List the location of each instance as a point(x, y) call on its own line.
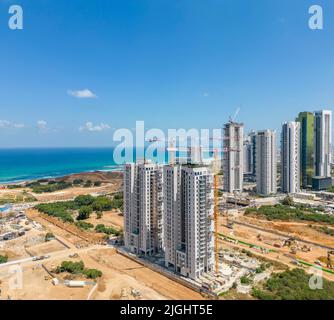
point(30, 272)
point(248, 249)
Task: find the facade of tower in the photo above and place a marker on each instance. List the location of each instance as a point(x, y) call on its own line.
point(248, 156)
point(233, 158)
point(266, 162)
point(306, 120)
point(322, 143)
point(188, 220)
point(290, 157)
point(143, 208)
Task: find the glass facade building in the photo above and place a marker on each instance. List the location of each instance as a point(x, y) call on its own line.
point(306, 120)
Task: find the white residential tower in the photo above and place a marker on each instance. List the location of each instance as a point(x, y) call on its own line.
point(143, 208)
point(290, 157)
point(266, 163)
point(188, 220)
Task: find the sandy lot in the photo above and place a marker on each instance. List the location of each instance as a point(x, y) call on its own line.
point(46, 248)
point(36, 287)
point(125, 272)
point(110, 218)
point(298, 229)
point(16, 249)
point(121, 278)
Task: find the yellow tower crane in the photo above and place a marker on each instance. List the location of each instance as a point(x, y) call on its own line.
point(216, 207)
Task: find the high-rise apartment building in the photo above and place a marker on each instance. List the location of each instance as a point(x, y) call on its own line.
point(143, 208)
point(266, 163)
point(306, 120)
point(233, 158)
point(188, 219)
point(322, 143)
point(290, 157)
point(250, 155)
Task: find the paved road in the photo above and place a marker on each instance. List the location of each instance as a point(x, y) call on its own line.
point(10, 263)
point(57, 254)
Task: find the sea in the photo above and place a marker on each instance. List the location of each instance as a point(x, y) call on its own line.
point(27, 164)
point(36, 163)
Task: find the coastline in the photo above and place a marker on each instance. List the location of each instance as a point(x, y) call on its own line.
point(59, 177)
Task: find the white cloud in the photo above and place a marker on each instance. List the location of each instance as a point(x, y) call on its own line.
point(89, 126)
point(19, 125)
point(82, 94)
point(4, 124)
point(42, 124)
point(206, 94)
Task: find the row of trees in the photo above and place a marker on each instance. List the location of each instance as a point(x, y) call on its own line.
point(51, 186)
point(84, 205)
point(47, 186)
point(288, 213)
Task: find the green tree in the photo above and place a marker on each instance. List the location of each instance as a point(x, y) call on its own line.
point(92, 273)
point(84, 200)
point(84, 213)
point(102, 204)
point(71, 267)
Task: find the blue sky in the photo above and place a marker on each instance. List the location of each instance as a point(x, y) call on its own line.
point(171, 63)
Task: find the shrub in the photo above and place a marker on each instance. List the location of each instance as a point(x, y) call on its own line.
point(245, 280)
point(84, 225)
point(71, 267)
point(84, 212)
point(49, 236)
point(92, 273)
point(101, 228)
point(78, 268)
point(3, 259)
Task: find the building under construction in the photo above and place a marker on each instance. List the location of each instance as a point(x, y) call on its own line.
point(232, 164)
